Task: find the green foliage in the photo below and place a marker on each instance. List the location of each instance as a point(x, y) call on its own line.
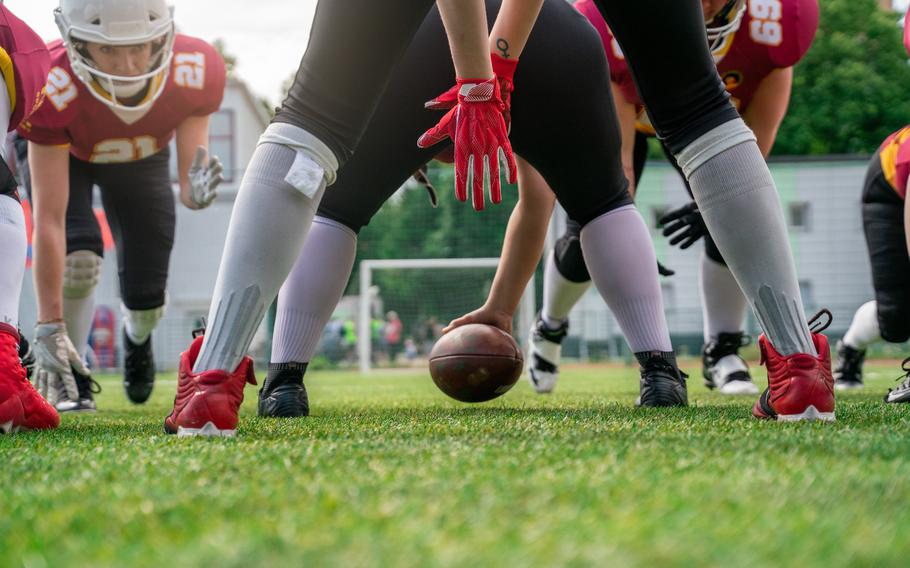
point(230, 60)
point(389, 472)
point(851, 89)
point(408, 227)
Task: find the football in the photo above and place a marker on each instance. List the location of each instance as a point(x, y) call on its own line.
point(476, 363)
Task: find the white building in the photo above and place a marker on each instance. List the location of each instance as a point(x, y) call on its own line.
point(233, 134)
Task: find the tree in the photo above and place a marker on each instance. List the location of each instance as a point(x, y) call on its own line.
point(230, 60)
point(851, 89)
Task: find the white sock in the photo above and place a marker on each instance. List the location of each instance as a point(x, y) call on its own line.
point(79, 314)
point(268, 227)
point(13, 250)
point(312, 290)
point(740, 206)
point(559, 294)
point(864, 327)
point(723, 305)
point(81, 274)
point(13, 240)
point(621, 259)
point(139, 324)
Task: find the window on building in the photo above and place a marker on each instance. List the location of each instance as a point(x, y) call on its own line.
point(221, 141)
point(805, 290)
point(221, 144)
point(799, 215)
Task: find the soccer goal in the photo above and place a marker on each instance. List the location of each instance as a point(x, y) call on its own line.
point(405, 303)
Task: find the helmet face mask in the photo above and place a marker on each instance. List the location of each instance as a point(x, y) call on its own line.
point(118, 23)
point(722, 25)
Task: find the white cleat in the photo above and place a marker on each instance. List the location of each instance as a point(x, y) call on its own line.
point(724, 369)
point(545, 350)
point(208, 430)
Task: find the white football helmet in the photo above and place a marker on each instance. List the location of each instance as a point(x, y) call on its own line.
point(118, 22)
point(723, 25)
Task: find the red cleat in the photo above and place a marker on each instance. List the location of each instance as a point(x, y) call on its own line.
point(207, 404)
point(21, 407)
point(800, 386)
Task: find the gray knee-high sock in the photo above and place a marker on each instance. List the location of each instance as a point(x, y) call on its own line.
point(312, 290)
point(268, 226)
point(559, 293)
point(621, 259)
point(740, 206)
point(13, 250)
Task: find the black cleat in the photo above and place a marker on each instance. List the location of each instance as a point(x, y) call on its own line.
point(87, 387)
point(282, 394)
point(848, 373)
point(723, 368)
point(901, 393)
point(26, 356)
point(662, 383)
point(138, 369)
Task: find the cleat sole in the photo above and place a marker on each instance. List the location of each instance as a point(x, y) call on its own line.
point(207, 430)
point(811, 414)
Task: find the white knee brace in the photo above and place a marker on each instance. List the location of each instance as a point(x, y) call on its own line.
point(81, 274)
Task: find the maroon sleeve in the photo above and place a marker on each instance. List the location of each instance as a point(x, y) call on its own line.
point(215, 79)
point(29, 62)
point(48, 124)
point(800, 22)
point(619, 69)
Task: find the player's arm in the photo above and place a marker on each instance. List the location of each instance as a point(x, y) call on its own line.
point(513, 27)
point(769, 106)
point(49, 167)
point(199, 173)
point(521, 250)
point(465, 22)
point(627, 116)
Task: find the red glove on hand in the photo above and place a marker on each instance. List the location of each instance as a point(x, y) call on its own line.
point(478, 130)
point(504, 69)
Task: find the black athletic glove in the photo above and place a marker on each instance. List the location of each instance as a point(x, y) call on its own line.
point(664, 271)
point(684, 226)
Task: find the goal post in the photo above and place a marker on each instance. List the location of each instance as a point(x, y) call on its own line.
point(369, 269)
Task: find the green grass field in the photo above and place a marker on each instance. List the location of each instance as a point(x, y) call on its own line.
point(389, 472)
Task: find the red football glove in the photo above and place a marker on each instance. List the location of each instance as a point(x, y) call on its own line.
point(504, 69)
point(478, 130)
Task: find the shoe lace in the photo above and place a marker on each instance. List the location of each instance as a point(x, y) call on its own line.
point(816, 325)
point(552, 335)
point(86, 385)
point(138, 358)
point(905, 378)
point(726, 344)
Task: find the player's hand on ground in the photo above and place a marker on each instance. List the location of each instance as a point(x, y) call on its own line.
point(684, 226)
point(205, 177)
point(55, 359)
point(485, 315)
point(476, 126)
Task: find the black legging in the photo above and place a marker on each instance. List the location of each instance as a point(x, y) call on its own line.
point(569, 259)
point(355, 45)
point(575, 145)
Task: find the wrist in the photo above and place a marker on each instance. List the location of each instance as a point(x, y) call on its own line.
point(502, 67)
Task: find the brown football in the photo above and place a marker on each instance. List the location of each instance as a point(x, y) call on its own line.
point(476, 362)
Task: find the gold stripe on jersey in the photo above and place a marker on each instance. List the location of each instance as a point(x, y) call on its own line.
point(9, 76)
point(889, 155)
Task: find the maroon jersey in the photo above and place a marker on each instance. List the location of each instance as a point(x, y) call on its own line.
point(24, 62)
point(894, 154)
point(774, 34)
point(97, 133)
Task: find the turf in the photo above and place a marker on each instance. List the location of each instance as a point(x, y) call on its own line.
point(389, 472)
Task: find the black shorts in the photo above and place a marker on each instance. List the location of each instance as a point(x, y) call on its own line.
point(883, 221)
point(355, 45)
point(575, 145)
point(138, 201)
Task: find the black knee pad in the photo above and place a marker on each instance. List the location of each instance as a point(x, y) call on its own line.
point(567, 253)
point(712, 252)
